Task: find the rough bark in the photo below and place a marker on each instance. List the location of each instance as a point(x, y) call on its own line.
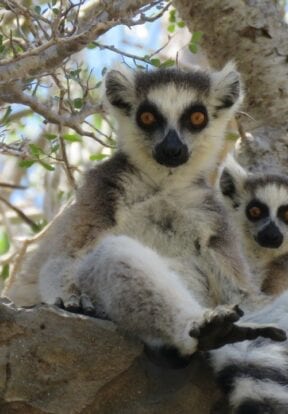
point(253, 34)
point(59, 363)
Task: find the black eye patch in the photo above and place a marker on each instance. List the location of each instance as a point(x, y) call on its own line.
point(149, 118)
point(194, 118)
point(282, 213)
point(256, 210)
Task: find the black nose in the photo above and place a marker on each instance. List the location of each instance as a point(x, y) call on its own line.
point(171, 151)
point(270, 237)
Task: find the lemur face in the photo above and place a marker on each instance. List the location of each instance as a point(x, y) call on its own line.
point(171, 118)
point(259, 205)
point(172, 115)
point(267, 216)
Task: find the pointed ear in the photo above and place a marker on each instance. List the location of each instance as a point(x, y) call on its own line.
point(231, 180)
point(119, 89)
point(227, 87)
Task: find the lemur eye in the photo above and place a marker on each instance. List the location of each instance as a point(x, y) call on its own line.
point(257, 210)
point(147, 118)
point(285, 216)
point(197, 118)
point(283, 213)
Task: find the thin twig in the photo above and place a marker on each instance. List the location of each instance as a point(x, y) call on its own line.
point(67, 166)
point(20, 213)
point(14, 186)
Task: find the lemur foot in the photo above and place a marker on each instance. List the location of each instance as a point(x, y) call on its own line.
point(81, 304)
point(77, 304)
point(219, 329)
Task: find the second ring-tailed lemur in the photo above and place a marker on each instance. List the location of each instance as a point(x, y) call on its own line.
point(255, 375)
point(146, 240)
point(259, 207)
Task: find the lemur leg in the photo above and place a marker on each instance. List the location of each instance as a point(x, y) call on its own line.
point(254, 375)
point(135, 287)
point(138, 291)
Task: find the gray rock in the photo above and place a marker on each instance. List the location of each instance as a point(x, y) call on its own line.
point(55, 362)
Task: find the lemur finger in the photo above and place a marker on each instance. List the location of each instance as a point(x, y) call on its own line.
point(242, 333)
point(222, 314)
point(276, 334)
point(87, 305)
point(59, 303)
point(238, 310)
point(73, 304)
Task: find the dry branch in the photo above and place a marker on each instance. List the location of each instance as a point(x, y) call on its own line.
point(48, 56)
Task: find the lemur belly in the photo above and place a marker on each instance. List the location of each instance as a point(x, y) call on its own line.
point(154, 222)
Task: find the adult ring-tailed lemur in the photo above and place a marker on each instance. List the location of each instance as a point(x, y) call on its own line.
point(258, 204)
point(147, 241)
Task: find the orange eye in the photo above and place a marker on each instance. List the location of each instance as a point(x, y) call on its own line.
point(285, 216)
point(147, 118)
point(197, 118)
point(255, 212)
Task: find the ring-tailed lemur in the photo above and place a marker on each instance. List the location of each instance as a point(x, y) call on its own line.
point(255, 375)
point(259, 207)
point(146, 239)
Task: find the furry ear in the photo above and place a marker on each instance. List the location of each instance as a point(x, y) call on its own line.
point(227, 86)
point(231, 180)
point(119, 88)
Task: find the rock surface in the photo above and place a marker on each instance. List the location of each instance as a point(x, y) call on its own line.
point(55, 362)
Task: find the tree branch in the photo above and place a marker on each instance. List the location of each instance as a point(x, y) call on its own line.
point(20, 213)
point(45, 58)
point(255, 36)
point(12, 94)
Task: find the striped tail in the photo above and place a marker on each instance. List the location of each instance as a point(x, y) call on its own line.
point(253, 376)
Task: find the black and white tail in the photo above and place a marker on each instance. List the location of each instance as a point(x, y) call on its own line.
point(254, 374)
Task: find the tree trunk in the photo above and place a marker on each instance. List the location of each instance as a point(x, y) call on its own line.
point(253, 34)
point(52, 361)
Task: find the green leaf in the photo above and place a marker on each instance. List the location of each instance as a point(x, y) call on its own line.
point(78, 103)
point(6, 115)
point(54, 2)
point(50, 136)
point(55, 10)
point(36, 151)
point(97, 157)
point(155, 62)
point(2, 48)
point(167, 63)
point(26, 163)
point(196, 37)
point(4, 242)
point(72, 137)
point(97, 118)
point(37, 9)
point(171, 28)
point(1, 39)
point(4, 274)
point(172, 16)
point(75, 73)
point(181, 24)
point(46, 166)
point(193, 47)
point(92, 45)
point(54, 148)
